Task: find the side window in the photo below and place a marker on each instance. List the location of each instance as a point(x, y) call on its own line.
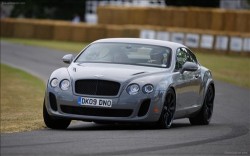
point(192, 56)
point(181, 58)
point(184, 55)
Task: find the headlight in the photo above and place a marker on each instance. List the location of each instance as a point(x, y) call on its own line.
point(64, 85)
point(148, 88)
point(133, 89)
point(54, 82)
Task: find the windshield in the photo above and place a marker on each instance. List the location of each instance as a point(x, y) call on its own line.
point(126, 53)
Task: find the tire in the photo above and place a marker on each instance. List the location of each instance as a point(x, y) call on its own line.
point(168, 110)
point(54, 123)
point(205, 114)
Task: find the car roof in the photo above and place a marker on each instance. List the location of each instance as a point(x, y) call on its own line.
point(169, 44)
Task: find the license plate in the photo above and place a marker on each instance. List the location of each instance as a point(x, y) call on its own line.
point(94, 102)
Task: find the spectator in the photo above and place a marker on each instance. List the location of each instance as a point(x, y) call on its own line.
point(76, 19)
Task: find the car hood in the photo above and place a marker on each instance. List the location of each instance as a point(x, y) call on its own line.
point(111, 72)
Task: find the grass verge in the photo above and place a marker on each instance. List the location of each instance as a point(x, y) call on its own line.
point(232, 69)
point(21, 101)
point(73, 47)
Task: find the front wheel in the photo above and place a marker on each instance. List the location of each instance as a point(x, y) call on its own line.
point(205, 114)
point(168, 110)
point(54, 123)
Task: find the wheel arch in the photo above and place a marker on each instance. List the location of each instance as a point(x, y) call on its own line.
point(170, 87)
point(210, 83)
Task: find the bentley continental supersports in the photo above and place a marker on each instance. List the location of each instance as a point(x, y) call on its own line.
point(130, 80)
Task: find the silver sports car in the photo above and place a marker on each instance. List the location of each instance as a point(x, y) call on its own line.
point(130, 80)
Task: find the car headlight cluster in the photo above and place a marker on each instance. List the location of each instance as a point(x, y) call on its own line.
point(54, 82)
point(133, 89)
point(148, 88)
point(64, 84)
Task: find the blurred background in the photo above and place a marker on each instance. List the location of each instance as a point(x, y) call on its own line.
point(87, 9)
point(221, 26)
point(218, 32)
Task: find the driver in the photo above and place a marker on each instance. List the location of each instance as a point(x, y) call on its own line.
point(156, 56)
point(119, 55)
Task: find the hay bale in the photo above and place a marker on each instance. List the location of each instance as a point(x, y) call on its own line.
point(63, 31)
point(192, 17)
point(217, 21)
point(179, 17)
point(241, 24)
point(101, 12)
point(114, 31)
point(23, 28)
point(137, 15)
point(44, 30)
point(95, 32)
point(120, 16)
point(132, 31)
point(248, 24)
point(153, 16)
point(204, 19)
point(165, 16)
point(229, 20)
point(79, 32)
point(105, 15)
point(7, 27)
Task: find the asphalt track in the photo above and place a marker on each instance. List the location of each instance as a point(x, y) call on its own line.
point(228, 133)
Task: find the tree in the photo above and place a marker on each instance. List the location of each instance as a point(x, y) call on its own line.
point(56, 9)
point(198, 3)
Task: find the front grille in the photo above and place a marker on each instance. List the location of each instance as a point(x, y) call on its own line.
point(97, 87)
point(96, 111)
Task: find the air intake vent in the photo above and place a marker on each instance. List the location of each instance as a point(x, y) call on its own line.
point(144, 107)
point(52, 101)
point(96, 111)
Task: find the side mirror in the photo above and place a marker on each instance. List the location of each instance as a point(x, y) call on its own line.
point(189, 66)
point(68, 58)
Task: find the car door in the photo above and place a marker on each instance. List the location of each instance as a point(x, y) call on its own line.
point(195, 80)
point(188, 83)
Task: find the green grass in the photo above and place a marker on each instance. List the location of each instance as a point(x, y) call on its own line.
point(72, 47)
point(232, 69)
point(21, 101)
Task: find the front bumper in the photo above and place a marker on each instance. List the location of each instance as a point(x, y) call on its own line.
point(125, 108)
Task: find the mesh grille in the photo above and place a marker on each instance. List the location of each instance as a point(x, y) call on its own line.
point(97, 87)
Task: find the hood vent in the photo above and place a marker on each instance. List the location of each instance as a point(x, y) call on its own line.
point(138, 73)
